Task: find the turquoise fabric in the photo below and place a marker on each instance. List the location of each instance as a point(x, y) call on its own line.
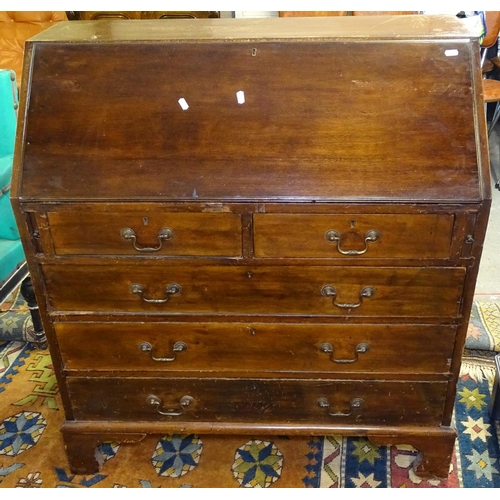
point(12, 255)
point(11, 250)
point(5, 171)
point(8, 98)
point(8, 226)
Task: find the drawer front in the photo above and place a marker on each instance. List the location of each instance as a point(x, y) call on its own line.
point(145, 233)
point(237, 349)
point(383, 236)
point(279, 290)
point(250, 400)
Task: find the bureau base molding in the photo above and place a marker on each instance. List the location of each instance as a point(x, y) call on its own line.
point(82, 438)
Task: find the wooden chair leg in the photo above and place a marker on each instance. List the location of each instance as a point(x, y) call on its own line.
point(28, 294)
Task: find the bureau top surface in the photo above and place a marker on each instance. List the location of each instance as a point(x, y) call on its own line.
point(385, 109)
point(395, 27)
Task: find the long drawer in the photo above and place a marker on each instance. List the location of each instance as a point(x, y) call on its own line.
point(250, 400)
point(236, 349)
point(143, 232)
point(278, 290)
point(386, 236)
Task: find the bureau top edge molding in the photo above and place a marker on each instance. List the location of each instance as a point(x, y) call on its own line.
point(262, 40)
point(229, 30)
point(453, 203)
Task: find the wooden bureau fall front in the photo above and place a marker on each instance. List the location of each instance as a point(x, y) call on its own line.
point(264, 226)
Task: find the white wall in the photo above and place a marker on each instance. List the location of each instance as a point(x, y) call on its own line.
point(256, 13)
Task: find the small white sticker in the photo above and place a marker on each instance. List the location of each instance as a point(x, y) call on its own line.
point(183, 103)
point(240, 97)
point(451, 52)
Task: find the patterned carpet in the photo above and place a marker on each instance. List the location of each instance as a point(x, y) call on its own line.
point(32, 451)
point(484, 326)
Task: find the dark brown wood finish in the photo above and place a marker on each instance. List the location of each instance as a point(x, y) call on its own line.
point(270, 401)
point(292, 290)
point(219, 143)
point(400, 236)
point(209, 234)
point(258, 349)
point(249, 191)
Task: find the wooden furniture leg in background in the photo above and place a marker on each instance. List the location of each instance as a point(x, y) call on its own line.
point(495, 395)
point(28, 294)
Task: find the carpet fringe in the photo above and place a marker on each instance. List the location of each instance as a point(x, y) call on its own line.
point(478, 370)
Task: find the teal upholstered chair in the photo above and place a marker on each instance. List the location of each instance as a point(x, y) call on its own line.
point(11, 250)
point(13, 268)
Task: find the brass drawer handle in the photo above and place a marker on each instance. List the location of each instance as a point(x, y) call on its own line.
point(333, 236)
point(328, 348)
point(128, 234)
point(356, 406)
point(184, 402)
point(178, 347)
point(172, 289)
point(366, 293)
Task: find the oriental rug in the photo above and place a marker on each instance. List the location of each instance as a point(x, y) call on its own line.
point(32, 451)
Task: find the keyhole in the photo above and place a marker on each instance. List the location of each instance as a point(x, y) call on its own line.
point(249, 274)
point(145, 221)
point(254, 52)
point(353, 223)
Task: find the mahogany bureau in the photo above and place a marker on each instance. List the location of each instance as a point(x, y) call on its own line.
point(266, 226)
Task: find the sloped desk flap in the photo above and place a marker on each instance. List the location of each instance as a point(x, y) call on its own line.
point(236, 119)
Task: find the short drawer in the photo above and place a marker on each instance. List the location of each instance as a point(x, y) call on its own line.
point(250, 400)
point(382, 236)
point(238, 349)
point(270, 291)
point(145, 233)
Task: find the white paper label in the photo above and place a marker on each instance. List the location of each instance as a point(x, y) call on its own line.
point(240, 97)
point(183, 103)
